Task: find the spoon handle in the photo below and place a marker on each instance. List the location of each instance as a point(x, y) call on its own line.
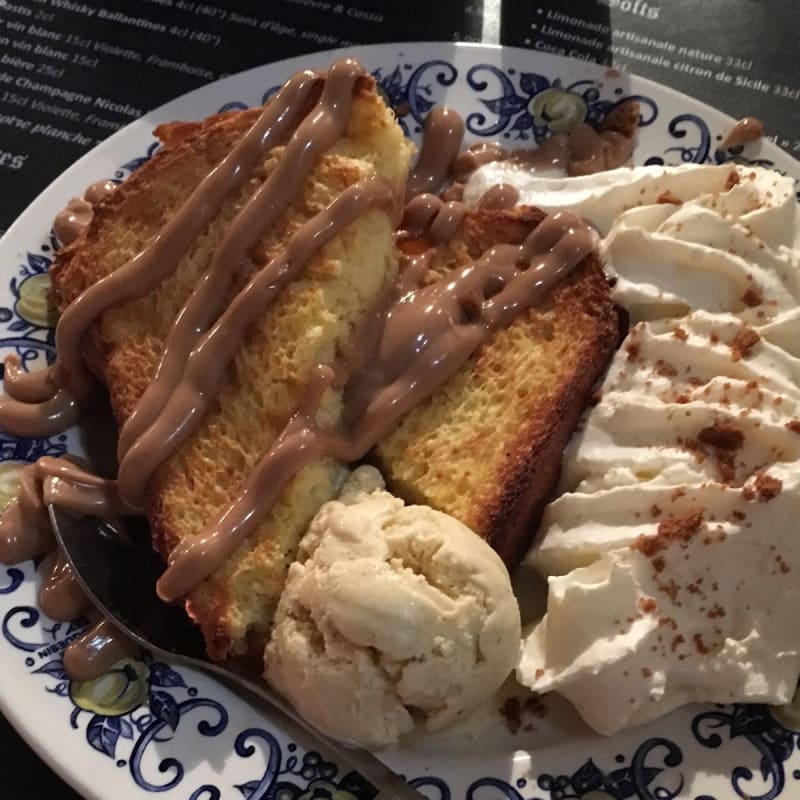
point(390, 785)
point(96, 555)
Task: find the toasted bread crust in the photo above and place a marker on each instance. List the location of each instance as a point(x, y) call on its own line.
point(269, 373)
point(491, 455)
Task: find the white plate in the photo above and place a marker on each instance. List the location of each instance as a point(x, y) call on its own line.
point(197, 740)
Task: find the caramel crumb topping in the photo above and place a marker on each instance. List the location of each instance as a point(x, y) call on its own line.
point(678, 528)
point(632, 349)
point(752, 297)
point(668, 197)
point(743, 343)
point(767, 488)
point(648, 605)
point(722, 435)
point(783, 567)
point(667, 371)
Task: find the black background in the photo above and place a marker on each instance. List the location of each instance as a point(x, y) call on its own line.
point(216, 48)
point(763, 33)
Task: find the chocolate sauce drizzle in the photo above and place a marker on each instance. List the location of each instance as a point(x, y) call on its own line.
point(441, 142)
point(25, 533)
point(62, 389)
point(418, 338)
point(746, 131)
point(193, 364)
point(427, 335)
point(443, 167)
point(427, 214)
point(70, 223)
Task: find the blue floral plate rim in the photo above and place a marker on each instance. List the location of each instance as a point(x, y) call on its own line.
point(142, 729)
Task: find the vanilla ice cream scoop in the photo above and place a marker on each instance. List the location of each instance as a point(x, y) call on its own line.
point(393, 618)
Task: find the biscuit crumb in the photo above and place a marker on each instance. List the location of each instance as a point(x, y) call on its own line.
point(647, 605)
point(668, 198)
point(674, 528)
point(752, 297)
point(743, 343)
point(767, 488)
point(667, 371)
point(700, 645)
point(632, 349)
point(722, 435)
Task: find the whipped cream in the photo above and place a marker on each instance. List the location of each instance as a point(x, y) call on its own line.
point(706, 616)
point(601, 198)
point(671, 550)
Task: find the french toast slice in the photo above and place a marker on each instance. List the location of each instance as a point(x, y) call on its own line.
point(264, 384)
point(486, 447)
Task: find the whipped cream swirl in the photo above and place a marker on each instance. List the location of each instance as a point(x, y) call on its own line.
point(672, 554)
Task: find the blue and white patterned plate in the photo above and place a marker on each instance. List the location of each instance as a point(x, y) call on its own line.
point(151, 729)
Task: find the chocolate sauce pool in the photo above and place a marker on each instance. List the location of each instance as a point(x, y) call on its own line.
point(416, 340)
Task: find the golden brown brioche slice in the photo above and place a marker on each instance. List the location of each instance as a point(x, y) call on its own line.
point(267, 378)
point(487, 446)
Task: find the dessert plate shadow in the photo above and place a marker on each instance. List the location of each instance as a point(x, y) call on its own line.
point(153, 728)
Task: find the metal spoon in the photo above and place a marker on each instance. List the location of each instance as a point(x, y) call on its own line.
point(119, 574)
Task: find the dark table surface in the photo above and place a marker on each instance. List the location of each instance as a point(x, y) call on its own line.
point(730, 34)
